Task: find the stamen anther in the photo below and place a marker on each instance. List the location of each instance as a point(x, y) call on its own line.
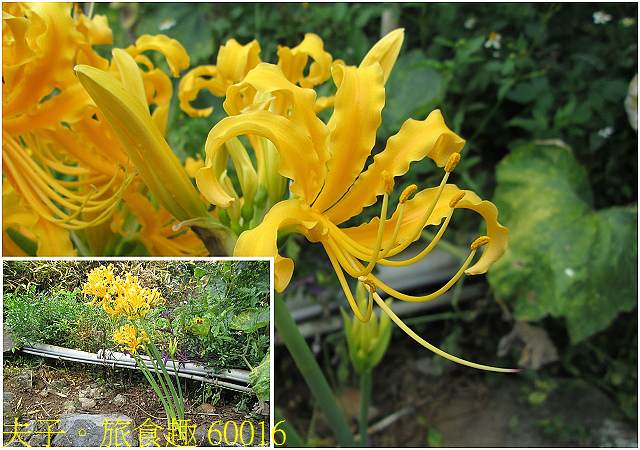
point(454, 159)
point(407, 193)
point(482, 240)
point(387, 179)
point(369, 283)
point(456, 198)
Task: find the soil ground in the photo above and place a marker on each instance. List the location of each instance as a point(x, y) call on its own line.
point(461, 408)
point(141, 404)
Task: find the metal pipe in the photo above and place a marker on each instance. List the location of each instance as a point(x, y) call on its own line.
point(235, 379)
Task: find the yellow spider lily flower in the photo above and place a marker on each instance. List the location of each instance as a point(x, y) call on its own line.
point(120, 296)
point(128, 335)
point(329, 182)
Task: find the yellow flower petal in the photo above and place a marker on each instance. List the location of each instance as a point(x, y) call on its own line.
point(235, 60)
point(356, 117)
point(193, 82)
point(290, 214)
point(174, 52)
point(415, 209)
point(414, 141)
point(150, 153)
point(385, 52)
point(293, 62)
point(498, 234)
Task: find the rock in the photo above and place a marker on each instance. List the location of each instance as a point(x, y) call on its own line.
point(261, 408)
point(119, 400)
point(7, 342)
point(7, 400)
point(23, 380)
point(95, 430)
point(86, 403)
point(206, 408)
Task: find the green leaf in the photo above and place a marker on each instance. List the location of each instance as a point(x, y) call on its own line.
point(564, 258)
point(259, 378)
point(250, 320)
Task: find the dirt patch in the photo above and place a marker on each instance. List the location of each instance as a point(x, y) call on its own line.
point(45, 392)
point(461, 408)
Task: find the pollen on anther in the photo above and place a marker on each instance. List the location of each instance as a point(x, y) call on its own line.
point(407, 193)
point(388, 182)
point(368, 282)
point(454, 159)
point(456, 198)
point(482, 240)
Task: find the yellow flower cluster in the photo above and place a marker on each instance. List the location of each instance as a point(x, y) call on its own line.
point(128, 335)
point(119, 295)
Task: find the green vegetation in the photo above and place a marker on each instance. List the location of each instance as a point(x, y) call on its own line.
point(228, 294)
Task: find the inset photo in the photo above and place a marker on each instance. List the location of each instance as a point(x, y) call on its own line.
point(137, 352)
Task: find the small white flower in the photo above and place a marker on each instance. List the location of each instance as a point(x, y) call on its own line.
point(166, 24)
point(601, 17)
point(570, 272)
point(606, 132)
point(470, 23)
point(494, 41)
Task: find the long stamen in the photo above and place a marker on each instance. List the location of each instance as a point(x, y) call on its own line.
point(456, 198)
point(431, 347)
point(399, 295)
point(347, 290)
point(388, 187)
point(401, 205)
point(448, 168)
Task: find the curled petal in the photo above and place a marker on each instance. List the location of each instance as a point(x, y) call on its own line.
point(415, 140)
point(293, 61)
point(498, 234)
point(176, 55)
point(193, 82)
point(298, 161)
point(289, 215)
point(385, 52)
point(235, 60)
point(291, 101)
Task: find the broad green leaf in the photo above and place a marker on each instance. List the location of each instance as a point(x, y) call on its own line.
point(564, 258)
point(250, 320)
point(259, 378)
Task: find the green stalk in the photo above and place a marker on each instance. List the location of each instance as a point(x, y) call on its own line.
point(154, 385)
point(365, 401)
point(311, 372)
point(293, 438)
point(175, 371)
point(177, 401)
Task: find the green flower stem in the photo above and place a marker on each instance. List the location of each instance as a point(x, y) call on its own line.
point(149, 376)
point(311, 372)
point(293, 438)
point(161, 370)
point(365, 401)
